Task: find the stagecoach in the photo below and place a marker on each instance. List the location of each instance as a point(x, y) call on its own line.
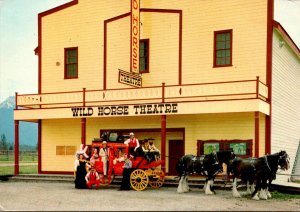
point(143, 173)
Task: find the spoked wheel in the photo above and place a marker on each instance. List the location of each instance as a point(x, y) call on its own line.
point(157, 178)
point(106, 180)
point(139, 180)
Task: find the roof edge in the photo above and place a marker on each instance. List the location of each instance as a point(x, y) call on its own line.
point(56, 9)
point(286, 37)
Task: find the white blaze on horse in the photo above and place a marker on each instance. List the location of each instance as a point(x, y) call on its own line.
point(207, 165)
point(260, 171)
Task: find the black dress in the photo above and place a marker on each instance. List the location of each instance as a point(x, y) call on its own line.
point(80, 176)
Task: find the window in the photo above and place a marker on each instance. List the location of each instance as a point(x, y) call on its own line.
point(242, 148)
point(144, 56)
point(71, 63)
point(223, 48)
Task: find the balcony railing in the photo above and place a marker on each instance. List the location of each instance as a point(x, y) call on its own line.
point(217, 91)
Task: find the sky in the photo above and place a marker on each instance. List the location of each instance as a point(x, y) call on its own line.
point(18, 39)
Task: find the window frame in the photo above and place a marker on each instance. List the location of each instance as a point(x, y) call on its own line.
point(65, 61)
point(148, 56)
point(215, 65)
point(225, 145)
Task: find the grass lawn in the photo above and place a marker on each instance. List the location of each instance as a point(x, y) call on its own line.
point(284, 196)
point(9, 170)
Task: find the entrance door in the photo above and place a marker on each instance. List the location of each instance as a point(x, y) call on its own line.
point(176, 151)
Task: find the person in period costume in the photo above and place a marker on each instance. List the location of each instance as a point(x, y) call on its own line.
point(133, 144)
point(104, 154)
point(92, 178)
point(127, 169)
point(154, 150)
point(95, 156)
point(146, 150)
point(80, 171)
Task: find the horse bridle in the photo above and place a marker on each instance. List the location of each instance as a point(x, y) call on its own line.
point(286, 158)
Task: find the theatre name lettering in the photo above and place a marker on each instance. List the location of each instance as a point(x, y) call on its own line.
point(125, 110)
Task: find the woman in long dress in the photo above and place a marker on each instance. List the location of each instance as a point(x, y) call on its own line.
point(80, 170)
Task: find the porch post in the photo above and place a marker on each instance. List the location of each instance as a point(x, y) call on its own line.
point(163, 142)
point(16, 147)
point(256, 134)
point(39, 146)
point(83, 131)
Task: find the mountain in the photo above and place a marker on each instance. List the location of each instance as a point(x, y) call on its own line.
point(28, 132)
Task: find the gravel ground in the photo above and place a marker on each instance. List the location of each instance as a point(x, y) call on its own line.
point(43, 196)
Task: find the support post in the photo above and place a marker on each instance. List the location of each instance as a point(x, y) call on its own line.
point(83, 131)
point(256, 134)
point(16, 147)
point(257, 87)
point(40, 147)
point(163, 142)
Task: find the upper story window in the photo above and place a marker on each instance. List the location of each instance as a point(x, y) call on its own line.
point(223, 48)
point(71, 63)
point(144, 56)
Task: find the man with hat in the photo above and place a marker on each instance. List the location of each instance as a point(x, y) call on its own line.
point(133, 144)
point(104, 153)
point(92, 178)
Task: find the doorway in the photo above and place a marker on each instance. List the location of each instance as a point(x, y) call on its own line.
point(176, 151)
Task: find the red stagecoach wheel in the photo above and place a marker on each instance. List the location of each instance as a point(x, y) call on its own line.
point(139, 180)
point(157, 178)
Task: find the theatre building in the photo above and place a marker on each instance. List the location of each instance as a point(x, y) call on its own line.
point(195, 76)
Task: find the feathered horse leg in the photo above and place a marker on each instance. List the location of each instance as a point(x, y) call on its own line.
point(235, 193)
point(185, 186)
point(180, 184)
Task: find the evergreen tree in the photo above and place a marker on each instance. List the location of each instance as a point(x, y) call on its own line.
point(3, 142)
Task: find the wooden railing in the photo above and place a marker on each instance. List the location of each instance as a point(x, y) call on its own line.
point(217, 91)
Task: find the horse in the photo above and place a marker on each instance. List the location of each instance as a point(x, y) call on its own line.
point(208, 165)
point(260, 171)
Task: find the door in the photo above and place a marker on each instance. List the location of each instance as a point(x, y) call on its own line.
point(176, 151)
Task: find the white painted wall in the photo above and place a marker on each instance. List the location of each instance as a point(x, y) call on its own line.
point(285, 100)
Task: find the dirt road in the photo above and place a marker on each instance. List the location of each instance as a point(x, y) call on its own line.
point(63, 196)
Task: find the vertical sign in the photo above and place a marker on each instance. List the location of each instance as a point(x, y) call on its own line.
point(135, 35)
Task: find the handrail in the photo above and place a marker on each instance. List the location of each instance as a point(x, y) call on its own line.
point(225, 90)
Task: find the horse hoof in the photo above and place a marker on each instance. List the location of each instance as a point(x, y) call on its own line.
point(255, 197)
point(209, 193)
point(269, 195)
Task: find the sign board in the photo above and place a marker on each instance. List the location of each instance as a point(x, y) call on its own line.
point(130, 78)
point(135, 36)
point(125, 110)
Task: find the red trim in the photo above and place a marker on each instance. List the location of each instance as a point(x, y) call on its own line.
point(163, 141)
point(180, 50)
point(129, 14)
point(39, 146)
point(215, 47)
point(180, 35)
point(56, 9)
point(83, 131)
point(269, 46)
point(105, 44)
point(57, 172)
point(40, 16)
point(16, 171)
point(256, 133)
point(65, 60)
point(286, 37)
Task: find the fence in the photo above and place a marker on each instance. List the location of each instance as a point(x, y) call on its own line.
point(27, 161)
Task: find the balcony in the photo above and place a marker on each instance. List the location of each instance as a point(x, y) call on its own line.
point(230, 91)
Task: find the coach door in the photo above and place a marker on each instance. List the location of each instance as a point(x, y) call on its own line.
point(176, 151)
